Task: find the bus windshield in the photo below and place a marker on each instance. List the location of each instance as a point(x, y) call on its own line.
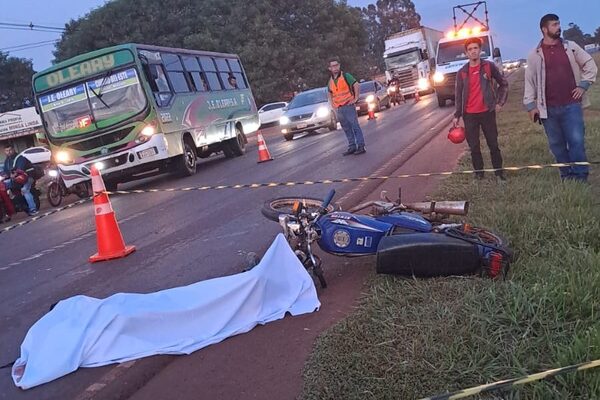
point(95, 104)
point(455, 51)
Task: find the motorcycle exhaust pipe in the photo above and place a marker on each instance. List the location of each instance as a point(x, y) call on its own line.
point(440, 207)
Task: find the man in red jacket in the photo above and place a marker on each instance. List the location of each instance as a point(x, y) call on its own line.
point(477, 103)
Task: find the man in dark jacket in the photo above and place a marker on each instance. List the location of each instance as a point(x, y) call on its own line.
point(477, 102)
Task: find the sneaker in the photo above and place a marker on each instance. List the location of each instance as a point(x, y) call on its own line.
point(350, 150)
point(360, 150)
point(33, 213)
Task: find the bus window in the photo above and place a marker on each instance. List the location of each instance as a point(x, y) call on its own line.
point(175, 73)
point(235, 65)
point(210, 71)
point(159, 84)
point(195, 76)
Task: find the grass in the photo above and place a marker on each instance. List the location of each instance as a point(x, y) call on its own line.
point(412, 338)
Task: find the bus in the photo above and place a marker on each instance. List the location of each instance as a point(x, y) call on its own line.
point(135, 109)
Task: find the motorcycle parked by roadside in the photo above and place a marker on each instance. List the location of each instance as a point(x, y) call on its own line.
point(408, 239)
point(57, 190)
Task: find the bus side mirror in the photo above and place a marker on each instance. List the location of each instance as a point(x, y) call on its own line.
point(497, 53)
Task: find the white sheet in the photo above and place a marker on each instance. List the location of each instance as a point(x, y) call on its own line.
point(89, 332)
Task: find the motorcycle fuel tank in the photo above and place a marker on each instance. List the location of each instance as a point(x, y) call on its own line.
point(349, 234)
point(408, 221)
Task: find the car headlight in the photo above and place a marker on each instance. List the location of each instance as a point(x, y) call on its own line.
point(63, 157)
point(284, 120)
point(423, 84)
point(392, 89)
point(322, 112)
point(52, 173)
point(99, 165)
point(370, 98)
point(438, 77)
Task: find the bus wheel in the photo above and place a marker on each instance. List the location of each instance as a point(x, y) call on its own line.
point(236, 146)
point(186, 163)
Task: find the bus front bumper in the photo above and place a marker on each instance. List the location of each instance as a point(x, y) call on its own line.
point(120, 165)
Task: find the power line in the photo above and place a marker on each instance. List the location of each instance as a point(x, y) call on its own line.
point(27, 48)
point(31, 30)
point(31, 26)
point(28, 45)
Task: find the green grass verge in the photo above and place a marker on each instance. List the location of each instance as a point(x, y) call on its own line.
point(412, 338)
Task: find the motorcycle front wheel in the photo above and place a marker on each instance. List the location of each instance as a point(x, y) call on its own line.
point(273, 208)
point(54, 194)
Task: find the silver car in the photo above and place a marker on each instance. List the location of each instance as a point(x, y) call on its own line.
point(308, 111)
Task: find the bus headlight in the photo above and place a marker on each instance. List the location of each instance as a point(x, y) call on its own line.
point(423, 84)
point(322, 112)
point(99, 165)
point(63, 157)
point(284, 120)
point(370, 98)
point(148, 131)
point(52, 173)
point(438, 77)
point(145, 134)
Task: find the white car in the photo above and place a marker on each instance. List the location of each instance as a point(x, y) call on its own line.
point(270, 113)
point(37, 155)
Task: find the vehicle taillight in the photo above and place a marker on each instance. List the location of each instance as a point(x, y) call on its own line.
point(496, 264)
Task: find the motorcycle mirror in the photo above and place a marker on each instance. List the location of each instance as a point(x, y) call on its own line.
point(328, 199)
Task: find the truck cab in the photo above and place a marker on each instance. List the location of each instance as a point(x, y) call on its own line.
point(409, 56)
point(451, 56)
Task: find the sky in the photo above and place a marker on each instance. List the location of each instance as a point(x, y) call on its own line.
point(515, 23)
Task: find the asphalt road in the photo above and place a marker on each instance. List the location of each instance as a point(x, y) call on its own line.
point(181, 237)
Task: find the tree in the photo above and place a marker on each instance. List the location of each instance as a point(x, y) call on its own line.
point(384, 18)
point(575, 34)
point(597, 35)
point(282, 43)
point(15, 82)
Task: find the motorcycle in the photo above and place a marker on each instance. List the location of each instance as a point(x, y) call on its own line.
point(57, 190)
point(415, 239)
point(18, 200)
point(395, 94)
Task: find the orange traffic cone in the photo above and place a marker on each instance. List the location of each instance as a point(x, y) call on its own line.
point(108, 235)
point(371, 114)
point(417, 97)
point(263, 152)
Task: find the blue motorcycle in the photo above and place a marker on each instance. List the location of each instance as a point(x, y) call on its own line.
point(415, 239)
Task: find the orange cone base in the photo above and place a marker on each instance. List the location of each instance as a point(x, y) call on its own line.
point(119, 254)
point(268, 159)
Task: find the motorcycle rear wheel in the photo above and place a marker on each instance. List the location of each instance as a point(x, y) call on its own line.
point(283, 205)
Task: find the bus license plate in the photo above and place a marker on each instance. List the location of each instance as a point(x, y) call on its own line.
point(147, 153)
point(301, 126)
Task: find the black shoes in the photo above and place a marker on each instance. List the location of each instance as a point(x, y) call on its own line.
point(350, 150)
point(360, 150)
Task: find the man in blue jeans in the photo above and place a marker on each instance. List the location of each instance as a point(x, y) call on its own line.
point(343, 91)
point(558, 74)
point(13, 161)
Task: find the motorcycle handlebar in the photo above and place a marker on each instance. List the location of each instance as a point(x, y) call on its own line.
point(328, 199)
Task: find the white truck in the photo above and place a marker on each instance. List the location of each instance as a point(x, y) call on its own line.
point(410, 56)
point(451, 54)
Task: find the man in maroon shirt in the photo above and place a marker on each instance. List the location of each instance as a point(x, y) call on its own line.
point(477, 103)
point(558, 74)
